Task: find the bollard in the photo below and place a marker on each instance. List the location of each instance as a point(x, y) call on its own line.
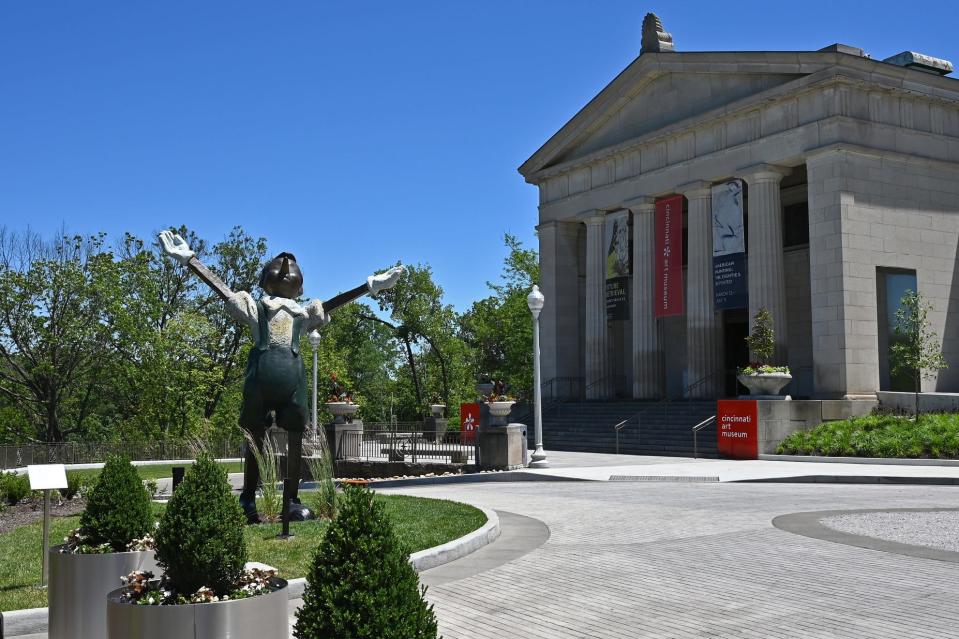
point(178, 472)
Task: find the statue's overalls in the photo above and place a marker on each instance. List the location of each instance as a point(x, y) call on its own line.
point(275, 380)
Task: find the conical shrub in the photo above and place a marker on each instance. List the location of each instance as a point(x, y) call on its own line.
point(118, 508)
point(361, 584)
point(200, 538)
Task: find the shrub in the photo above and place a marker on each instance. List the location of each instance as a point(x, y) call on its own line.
point(200, 539)
point(79, 483)
point(118, 507)
point(14, 488)
point(361, 584)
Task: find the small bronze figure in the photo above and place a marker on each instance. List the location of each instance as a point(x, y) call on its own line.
point(275, 379)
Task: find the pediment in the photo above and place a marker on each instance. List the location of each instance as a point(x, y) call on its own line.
point(668, 99)
point(660, 90)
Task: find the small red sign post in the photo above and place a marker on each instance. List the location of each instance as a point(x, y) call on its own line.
point(737, 422)
point(469, 422)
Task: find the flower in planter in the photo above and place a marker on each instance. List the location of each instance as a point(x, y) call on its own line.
point(762, 344)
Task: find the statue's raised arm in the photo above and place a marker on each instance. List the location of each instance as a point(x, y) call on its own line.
point(177, 248)
point(374, 284)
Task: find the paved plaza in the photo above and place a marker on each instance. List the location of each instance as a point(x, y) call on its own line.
point(662, 559)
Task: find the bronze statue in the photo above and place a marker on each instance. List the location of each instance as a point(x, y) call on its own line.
point(275, 379)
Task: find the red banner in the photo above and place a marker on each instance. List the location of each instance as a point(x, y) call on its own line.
point(469, 422)
point(737, 422)
point(669, 257)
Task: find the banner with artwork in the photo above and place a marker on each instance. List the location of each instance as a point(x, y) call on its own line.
point(618, 265)
point(730, 287)
point(669, 257)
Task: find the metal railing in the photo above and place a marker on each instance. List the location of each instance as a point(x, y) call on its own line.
point(664, 404)
point(698, 427)
point(19, 455)
point(606, 387)
point(411, 441)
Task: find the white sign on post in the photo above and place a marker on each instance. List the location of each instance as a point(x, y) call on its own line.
point(47, 476)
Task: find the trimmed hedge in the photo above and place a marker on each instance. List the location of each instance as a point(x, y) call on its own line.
point(118, 507)
point(361, 584)
point(14, 487)
point(200, 538)
point(935, 436)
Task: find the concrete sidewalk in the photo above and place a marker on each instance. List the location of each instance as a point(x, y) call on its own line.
point(599, 467)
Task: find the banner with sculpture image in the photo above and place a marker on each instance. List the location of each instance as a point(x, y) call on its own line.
point(618, 265)
point(730, 287)
point(668, 287)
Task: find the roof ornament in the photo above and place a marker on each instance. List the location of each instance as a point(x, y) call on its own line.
point(655, 39)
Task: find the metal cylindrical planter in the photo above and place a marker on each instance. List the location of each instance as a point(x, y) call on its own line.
point(79, 585)
point(260, 617)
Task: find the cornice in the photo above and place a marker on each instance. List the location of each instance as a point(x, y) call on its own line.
point(815, 82)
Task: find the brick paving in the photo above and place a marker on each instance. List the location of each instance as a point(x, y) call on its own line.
point(695, 560)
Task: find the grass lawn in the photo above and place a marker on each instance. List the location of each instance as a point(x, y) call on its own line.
point(420, 523)
point(935, 436)
point(159, 471)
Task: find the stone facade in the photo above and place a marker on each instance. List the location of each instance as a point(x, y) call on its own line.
point(870, 148)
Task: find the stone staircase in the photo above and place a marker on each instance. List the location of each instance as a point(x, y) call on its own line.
point(660, 429)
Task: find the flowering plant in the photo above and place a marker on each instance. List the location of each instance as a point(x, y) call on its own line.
point(141, 590)
point(757, 368)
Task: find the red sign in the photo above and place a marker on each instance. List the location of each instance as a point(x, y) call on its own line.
point(669, 257)
point(737, 422)
point(469, 422)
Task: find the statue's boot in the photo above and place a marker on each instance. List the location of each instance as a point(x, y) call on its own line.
point(299, 512)
point(248, 503)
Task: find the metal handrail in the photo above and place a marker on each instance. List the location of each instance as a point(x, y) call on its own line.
point(618, 427)
point(602, 380)
point(698, 427)
point(667, 400)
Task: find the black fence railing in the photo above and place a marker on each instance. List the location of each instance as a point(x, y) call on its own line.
point(19, 455)
point(410, 441)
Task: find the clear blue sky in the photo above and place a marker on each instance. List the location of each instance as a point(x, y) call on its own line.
point(349, 133)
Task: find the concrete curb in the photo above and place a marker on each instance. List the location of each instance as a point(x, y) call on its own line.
point(891, 461)
point(34, 620)
point(468, 478)
point(809, 524)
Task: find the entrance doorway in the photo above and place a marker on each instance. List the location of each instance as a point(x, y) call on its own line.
point(735, 330)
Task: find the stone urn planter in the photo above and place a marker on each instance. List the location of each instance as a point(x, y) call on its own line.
point(764, 384)
point(437, 409)
point(342, 411)
point(78, 587)
point(256, 617)
point(500, 409)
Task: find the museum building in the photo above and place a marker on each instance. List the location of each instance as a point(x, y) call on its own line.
point(700, 187)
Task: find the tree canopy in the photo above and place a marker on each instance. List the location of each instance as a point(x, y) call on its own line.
point(103, 342)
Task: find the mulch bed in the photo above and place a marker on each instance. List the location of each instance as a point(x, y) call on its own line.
point(27, 512)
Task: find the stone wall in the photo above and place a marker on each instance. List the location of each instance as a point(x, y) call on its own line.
point(778, 419)
point(871, 209)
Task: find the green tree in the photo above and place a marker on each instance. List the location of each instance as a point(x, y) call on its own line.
point(762, 340)
point(200, 538)
point(57, 329)
point(916, 350)
point(118, 508)
point(498, 329)
point(361, 584)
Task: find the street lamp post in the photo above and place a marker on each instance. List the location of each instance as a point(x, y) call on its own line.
point(314, 338)
point(535, 301)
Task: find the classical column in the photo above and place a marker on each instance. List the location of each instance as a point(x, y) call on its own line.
point(559, 322)
point(597, 360)
point(647, 367)
point(767, 286)
point(701, 325)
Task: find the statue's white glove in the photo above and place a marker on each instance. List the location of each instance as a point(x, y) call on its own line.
point(385, 280)
point(176, 247)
